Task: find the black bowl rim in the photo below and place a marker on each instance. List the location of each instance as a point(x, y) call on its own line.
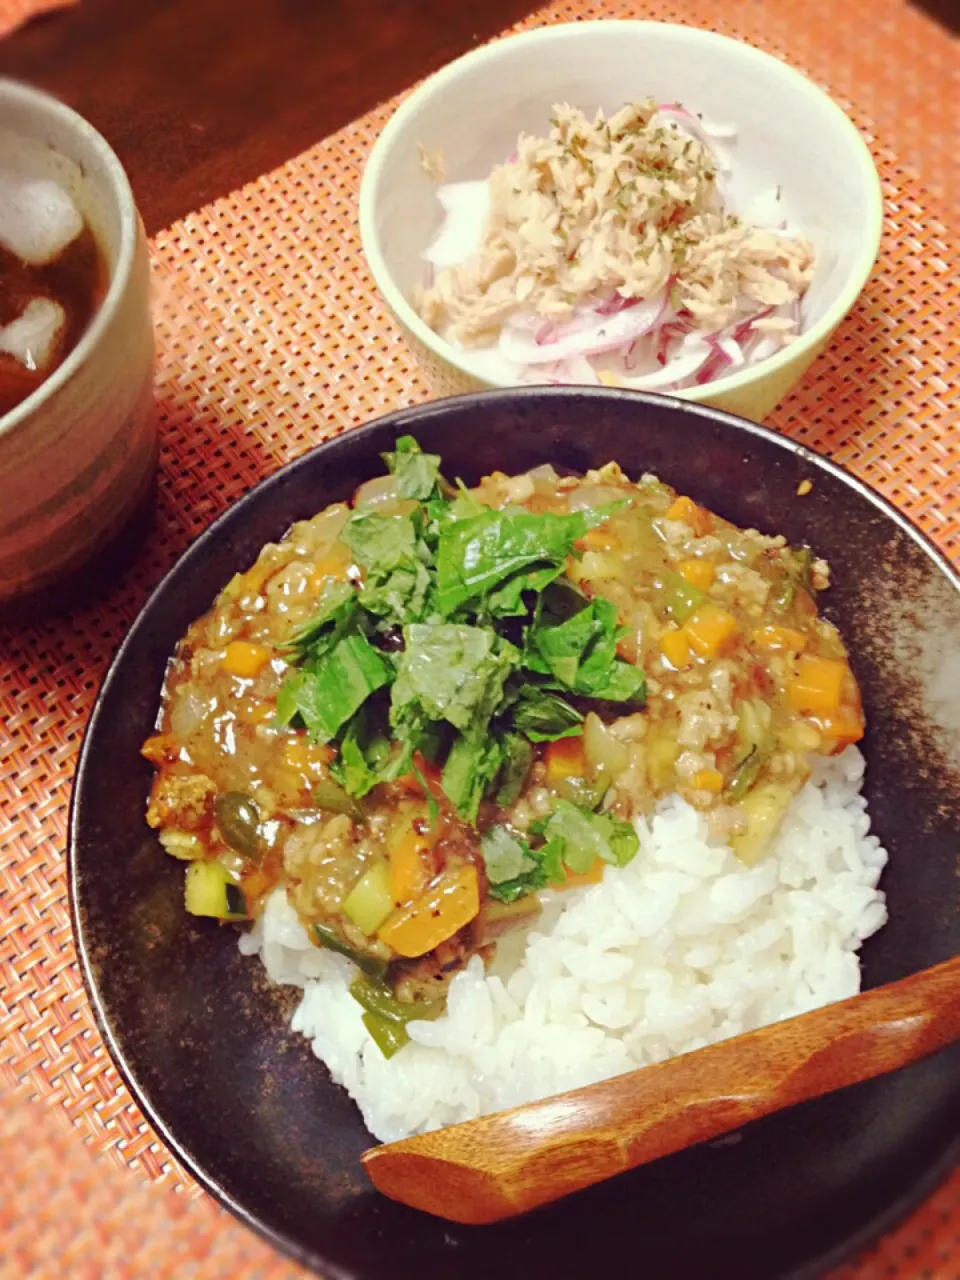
point(406, 419)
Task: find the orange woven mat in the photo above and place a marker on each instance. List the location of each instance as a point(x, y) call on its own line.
point(270, 340)
point(14, 13)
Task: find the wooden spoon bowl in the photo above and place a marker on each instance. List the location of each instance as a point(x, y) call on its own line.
point(508, 1163)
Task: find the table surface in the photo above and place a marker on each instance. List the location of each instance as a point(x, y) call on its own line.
point(201, 96)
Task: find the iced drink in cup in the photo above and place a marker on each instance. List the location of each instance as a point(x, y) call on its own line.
point(77, 429)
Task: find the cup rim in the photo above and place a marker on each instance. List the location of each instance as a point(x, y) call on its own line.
point(806, 344)
point(45, 104)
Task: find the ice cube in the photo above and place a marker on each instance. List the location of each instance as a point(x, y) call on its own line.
point(38, 219)
point(31, 338)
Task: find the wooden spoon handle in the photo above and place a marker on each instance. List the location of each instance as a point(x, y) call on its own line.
point(501, 1165)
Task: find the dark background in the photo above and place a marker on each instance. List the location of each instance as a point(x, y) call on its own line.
point(200, 96)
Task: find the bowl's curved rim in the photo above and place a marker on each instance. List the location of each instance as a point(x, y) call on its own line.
point(406, 419)
point(808, 341)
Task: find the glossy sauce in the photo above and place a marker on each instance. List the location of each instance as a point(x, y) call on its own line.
point(77, 279)
point(745, 684)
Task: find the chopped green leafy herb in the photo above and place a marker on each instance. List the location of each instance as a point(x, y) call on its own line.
point(449, 575)
point(476, 555)
point(517, 761)
point(544, 716)
point(335, 611)
point(586, 836)
point(416, 472)
point(454, 672)
point(514, 868)
point(471, 767)
point(325, 699)
point(582, 654)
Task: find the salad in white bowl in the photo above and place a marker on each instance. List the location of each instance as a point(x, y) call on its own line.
point(611, 251)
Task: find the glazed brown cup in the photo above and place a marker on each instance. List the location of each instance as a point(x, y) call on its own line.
point(78, 455)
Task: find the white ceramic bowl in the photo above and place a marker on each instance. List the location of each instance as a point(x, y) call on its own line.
point(788, 133)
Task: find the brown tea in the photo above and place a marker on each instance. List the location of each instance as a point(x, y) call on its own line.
point(49, 292)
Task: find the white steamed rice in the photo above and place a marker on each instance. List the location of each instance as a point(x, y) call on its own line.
point(683, 947)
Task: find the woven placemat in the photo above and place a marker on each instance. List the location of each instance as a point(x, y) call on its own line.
point(270, 340)
point(14, 13)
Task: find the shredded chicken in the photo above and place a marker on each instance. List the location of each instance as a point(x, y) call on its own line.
point(622, 207)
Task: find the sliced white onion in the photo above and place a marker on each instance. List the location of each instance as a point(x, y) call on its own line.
point(466, 206)
point(580, 372)
point(732, 350)
point(764, 346)
point(690, 356)
point(588, 334)
point(379, 489)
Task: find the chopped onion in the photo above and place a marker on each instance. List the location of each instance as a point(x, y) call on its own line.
point(379, 489)
point(692, 354)
point(594, 495)
point(588, 333)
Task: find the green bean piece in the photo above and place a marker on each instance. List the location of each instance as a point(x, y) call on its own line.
point(748, 770)
point(378, 999)
point(679, 599)
point(328, 794)
point(783, 598)
point(238, 820)
point(583, 792)
point(388, 1036)
point(329, 938)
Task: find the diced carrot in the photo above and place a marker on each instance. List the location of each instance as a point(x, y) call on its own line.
point(255, 577)
point(686, 509)
point(711, 630)
point(676, 648)
point(707, 780)
point(411, 783)
point(331, 567)
point(592, 875)
point(438, 913)
point(775, 637)
point(243, 658)
point(599, 539)
point(255, 885)
point(565, 759)
point(842, 727)
point(699, 573)
point(302, 754)
point(162, 748)
point(817, 685)
point(259, 712)
point(409, 869)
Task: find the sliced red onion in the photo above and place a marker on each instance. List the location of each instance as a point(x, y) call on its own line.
point(589, 334)
point(615, 304)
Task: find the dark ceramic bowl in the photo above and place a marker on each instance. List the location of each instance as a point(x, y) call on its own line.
point(201, 1041)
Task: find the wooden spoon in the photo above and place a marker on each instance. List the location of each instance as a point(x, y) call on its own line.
point(501, 1165)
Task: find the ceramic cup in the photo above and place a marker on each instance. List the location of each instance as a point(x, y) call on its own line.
point(78, 456)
